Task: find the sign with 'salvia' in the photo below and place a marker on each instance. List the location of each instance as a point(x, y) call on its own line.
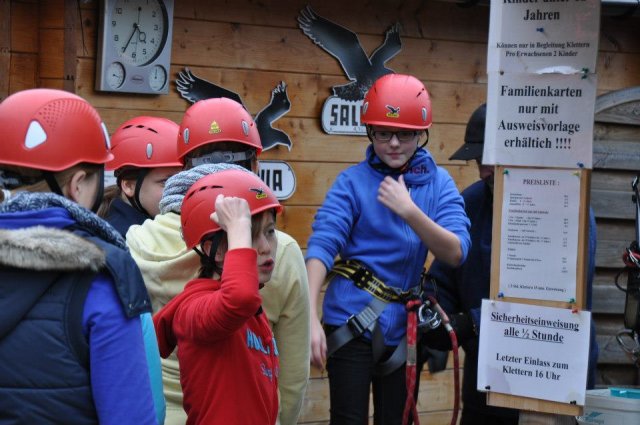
point(279, 176)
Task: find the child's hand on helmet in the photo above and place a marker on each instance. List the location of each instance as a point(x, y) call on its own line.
point(395, 196)
point(234, 217)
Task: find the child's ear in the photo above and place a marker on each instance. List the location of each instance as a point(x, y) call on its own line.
point(206, 246)
point(220, 253)
point(128, 187)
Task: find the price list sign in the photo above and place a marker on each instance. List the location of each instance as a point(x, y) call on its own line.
point(539, 233)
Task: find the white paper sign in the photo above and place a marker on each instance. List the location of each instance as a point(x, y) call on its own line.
point(528, 36)
point(533, 351)
point(539, 234)
point(540, 120)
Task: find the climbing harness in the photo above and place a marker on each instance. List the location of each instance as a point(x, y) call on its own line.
point(421, 314)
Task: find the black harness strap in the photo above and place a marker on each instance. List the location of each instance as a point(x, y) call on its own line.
point(359, 323)
point(356, 325)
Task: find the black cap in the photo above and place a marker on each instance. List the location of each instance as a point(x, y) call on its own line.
point(474, 136)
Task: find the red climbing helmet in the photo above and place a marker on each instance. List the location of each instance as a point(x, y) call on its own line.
point(199, 202)
point(216, 120)
point(397, 100)
point(145, 142)
point(51, 130)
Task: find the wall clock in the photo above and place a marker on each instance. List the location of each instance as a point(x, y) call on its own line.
point(134, 46)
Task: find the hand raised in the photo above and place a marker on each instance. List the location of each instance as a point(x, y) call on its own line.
point(394, 195)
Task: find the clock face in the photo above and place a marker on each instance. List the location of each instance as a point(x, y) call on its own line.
point(139, 30)
point(157, 78)
point(115, 75)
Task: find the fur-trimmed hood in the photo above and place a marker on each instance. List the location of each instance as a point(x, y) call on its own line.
point(46, 248)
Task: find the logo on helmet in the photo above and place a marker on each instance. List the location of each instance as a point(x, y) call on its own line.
point(260, 194)
point(394, 112)
point(214, 128)
point(185, 136)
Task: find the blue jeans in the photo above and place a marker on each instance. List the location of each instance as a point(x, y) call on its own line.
point(351, 376)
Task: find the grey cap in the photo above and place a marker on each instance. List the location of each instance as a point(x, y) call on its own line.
point(473, 136)
point(177, 185)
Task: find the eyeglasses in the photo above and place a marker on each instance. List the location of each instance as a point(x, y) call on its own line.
point(403, 136)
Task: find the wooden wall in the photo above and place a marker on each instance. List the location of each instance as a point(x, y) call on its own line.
point(249, 46)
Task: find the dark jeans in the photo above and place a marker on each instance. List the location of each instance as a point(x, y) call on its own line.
point(351, 375)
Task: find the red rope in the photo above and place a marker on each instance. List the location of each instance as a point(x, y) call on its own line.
point(456, 360)
point(410, 368)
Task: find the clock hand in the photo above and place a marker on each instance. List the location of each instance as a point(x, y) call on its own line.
point(135, 28)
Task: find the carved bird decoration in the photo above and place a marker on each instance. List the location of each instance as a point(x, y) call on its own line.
point(193, 89)
point(345, 46)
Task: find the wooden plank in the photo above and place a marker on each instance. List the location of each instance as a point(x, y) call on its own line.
point(24, 24)
point(23, 72)
point(5, 47)
point(614, 180)
point(612, 204)
point(417, 18)
point(51, 14)
point(616, 155)
point(619, 35)
point(51, 62)
point(452, 102)
point(69, 46)
point(609, 253)
point(611, 352)
point(243, 46)
point(613, 131)
point(616, 230)
point(620, 106)
point(619, 375)
point(608, 299)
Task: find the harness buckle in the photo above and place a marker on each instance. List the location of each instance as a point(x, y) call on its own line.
point(428, 318)
point(354, 325)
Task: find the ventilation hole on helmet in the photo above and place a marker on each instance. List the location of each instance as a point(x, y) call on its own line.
point(35, 135)
point(139, 126)
point(151, 129)
point(127, 126)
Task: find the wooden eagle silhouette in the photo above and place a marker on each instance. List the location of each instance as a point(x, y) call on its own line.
point(345, 46)
point(193, 89)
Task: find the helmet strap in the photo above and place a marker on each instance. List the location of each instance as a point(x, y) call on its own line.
point(208, 261)
point(135, 201)
point(50, 178)
point(100, 192)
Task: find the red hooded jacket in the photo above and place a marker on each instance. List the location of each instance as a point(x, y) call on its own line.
point(227, 353)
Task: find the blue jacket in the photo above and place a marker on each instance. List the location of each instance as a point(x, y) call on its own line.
point(353, 224)
point(122, 216)
point(462, 289)
point(88, 362)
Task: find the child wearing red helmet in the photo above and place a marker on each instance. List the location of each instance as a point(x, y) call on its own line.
point(76, 339)
point(214, 132)
point(380, 218)
point(145, 156)
point(226, 350)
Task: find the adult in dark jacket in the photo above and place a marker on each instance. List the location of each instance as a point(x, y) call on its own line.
point(74, 312)
point(460, 290)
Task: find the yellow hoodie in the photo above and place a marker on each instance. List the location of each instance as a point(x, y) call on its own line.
point(167, 265)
